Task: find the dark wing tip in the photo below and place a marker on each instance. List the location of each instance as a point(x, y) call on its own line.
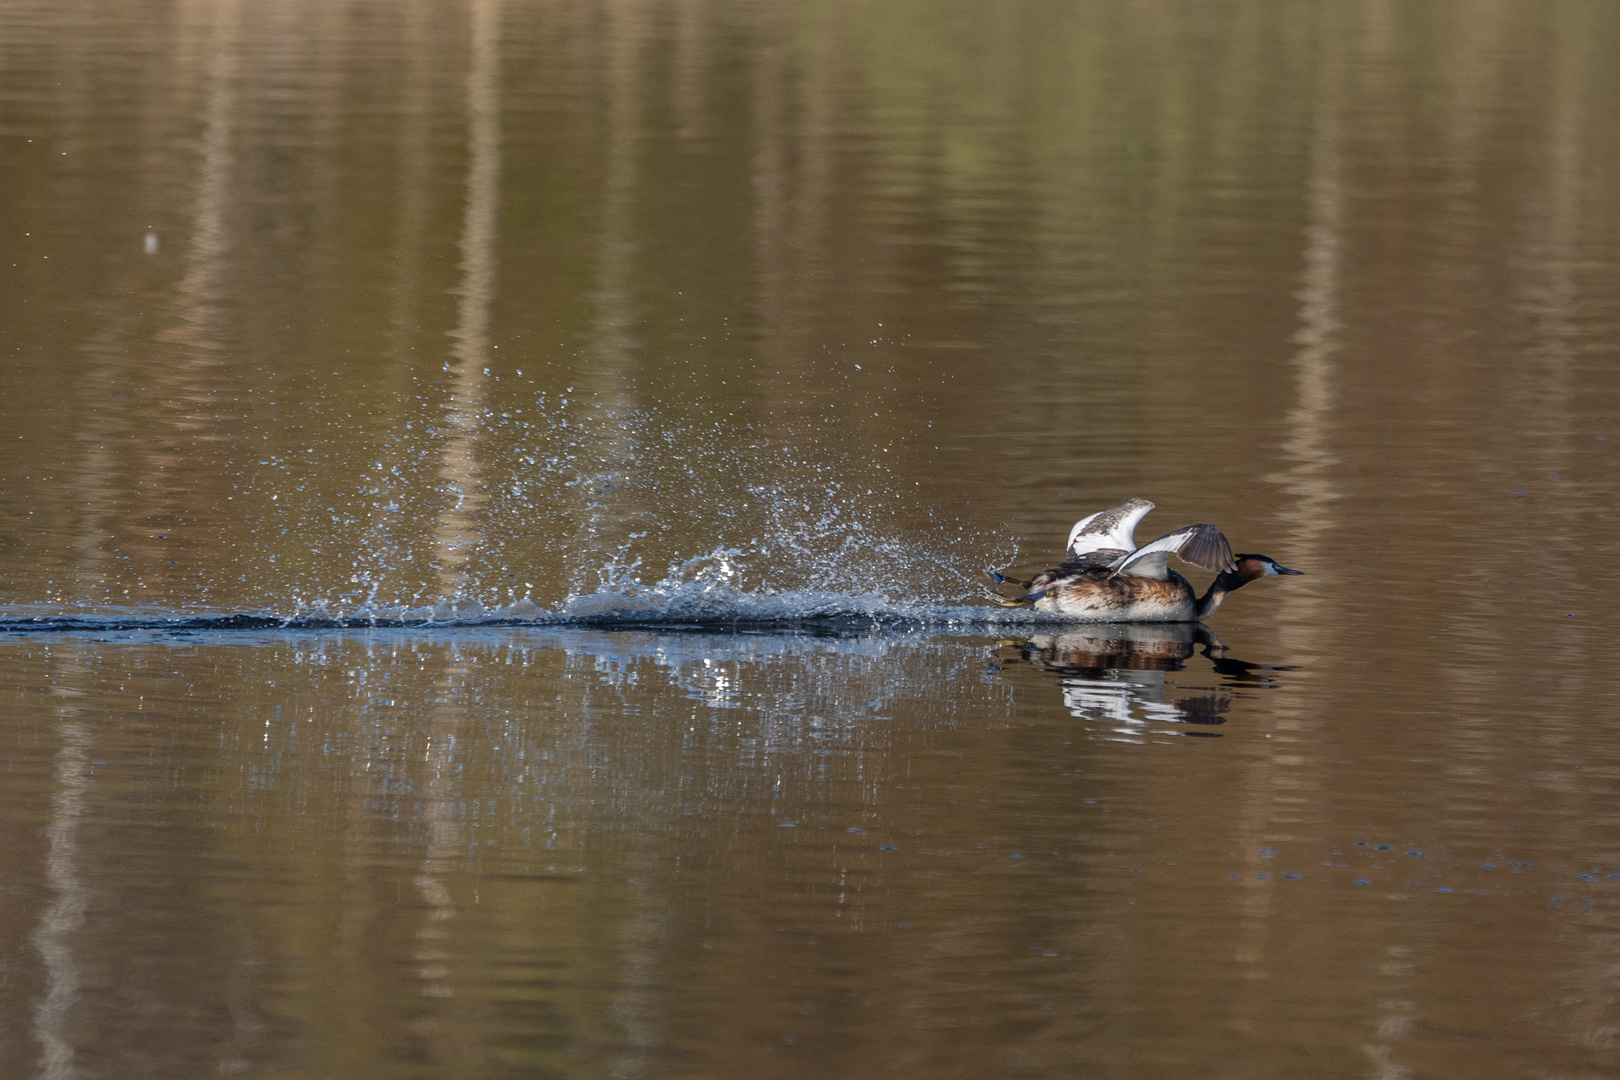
point(1206, 546)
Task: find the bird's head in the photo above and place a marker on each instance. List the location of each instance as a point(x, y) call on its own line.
point(1252, 567)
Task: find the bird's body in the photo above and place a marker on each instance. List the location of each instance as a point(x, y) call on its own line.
point(1088, 593)
point(1107, 578)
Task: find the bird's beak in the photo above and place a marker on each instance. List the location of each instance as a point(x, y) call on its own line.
point(1285, 570)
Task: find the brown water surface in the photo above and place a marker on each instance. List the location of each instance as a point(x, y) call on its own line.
point(494, 499)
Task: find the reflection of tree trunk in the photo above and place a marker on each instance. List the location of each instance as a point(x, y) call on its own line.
point(612, 342)
point(791, 174)
point(201, 287)
point(415, 102)
point(101, 477)
point(1550, 297)
point(694, 38)
point(96, 481)
point(1310, 477)
point(310, 41)
point(642, 978)
point(1552, 257)
point(635, 1005)
point(1269, 786)
point(769, 179)
point(186, 380)
point(445, 842)
point(66, 912)
point(390, 547)
point(458, 525)
point(457, 532)
point(812, 194)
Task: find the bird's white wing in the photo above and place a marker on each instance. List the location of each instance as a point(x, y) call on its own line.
point(1200, 545)
point(1114, 528)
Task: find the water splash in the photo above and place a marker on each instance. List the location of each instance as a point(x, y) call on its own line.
point(585, 514)
point(594, 514)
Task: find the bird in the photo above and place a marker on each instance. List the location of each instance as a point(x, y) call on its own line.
point(1108, 579)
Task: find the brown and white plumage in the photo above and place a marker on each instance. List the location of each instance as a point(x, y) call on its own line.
point(1108, 530)
point(1112, 533)
point(1107, 578)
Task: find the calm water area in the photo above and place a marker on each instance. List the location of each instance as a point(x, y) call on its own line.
point(495, 498)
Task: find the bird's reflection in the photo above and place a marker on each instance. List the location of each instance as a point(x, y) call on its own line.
point(1113, 675)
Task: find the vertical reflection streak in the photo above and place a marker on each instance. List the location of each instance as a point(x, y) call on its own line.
point(415, 106)
point(66, 912)
point(612, 341)
point(1551, 293)
point(635, 1006)
point(443, 842)
point(790, 174)
point(391, 546)
point(768, 178)
point(1310, 478)
point(614, 318)
point(458, 526)
point(1271, 805)
point(96, 483)
point(201, 287)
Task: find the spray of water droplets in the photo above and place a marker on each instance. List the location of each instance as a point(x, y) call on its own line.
point(581, 513)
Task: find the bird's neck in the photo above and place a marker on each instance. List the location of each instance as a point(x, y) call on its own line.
point(1228, 582)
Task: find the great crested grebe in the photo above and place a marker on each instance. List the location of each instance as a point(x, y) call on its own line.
point(1107, 578)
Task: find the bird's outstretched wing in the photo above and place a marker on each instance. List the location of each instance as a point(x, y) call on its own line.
point(1200, 545)
point(1108, 529)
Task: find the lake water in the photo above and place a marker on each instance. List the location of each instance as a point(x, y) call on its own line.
point(495, 497)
